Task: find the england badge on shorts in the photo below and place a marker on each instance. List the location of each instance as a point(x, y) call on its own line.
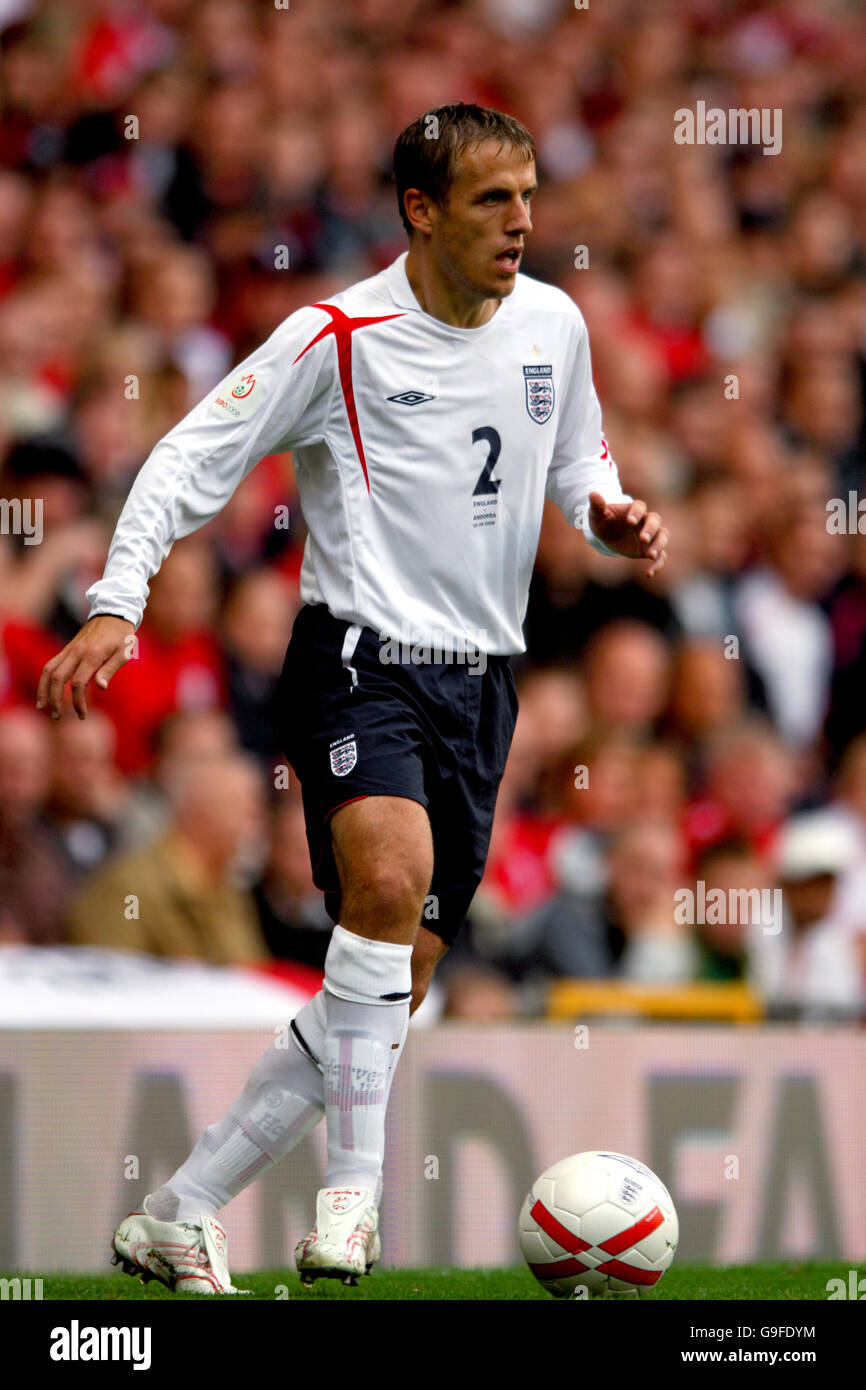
point(539, 392)
point(344, 755)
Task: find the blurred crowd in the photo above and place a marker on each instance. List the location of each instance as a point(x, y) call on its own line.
point(176, 178)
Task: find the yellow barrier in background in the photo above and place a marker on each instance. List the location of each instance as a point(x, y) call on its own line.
point(732, 1002)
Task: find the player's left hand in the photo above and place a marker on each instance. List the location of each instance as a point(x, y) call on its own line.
point(630, 529)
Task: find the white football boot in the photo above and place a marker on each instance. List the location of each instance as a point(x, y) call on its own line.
point(186, 1256)
point(344, 1243)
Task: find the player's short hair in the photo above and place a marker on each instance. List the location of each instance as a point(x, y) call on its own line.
point(427, 151)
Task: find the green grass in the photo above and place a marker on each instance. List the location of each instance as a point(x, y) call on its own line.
point(685, 1283)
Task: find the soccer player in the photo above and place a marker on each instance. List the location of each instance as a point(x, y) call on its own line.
point(430, 410)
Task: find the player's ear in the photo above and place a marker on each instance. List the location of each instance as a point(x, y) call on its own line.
point(417, 206)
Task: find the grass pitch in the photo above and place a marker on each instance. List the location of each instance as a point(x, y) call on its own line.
point(747, 1283)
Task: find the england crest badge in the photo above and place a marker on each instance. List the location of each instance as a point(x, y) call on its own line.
point(344, 755)
point(539, 392)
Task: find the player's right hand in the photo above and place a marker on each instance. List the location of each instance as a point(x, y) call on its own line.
point(99, 649)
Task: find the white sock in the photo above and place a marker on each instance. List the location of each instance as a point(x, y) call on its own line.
point(368, 988)
point(281, 1102)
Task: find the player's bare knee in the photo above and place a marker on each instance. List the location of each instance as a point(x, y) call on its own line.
point(395, 895)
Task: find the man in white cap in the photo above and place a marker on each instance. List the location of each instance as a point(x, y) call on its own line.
point(806, 964)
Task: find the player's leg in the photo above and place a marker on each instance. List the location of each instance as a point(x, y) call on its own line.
point(468, 728)
point(384, 879)
point(429, 950)
point(384, 857)
point(281, 1102)
point(175, 1237)
point(383, 850)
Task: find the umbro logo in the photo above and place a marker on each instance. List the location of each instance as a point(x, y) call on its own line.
point(411, 398)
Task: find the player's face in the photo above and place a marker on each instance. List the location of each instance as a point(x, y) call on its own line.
point(478, 235)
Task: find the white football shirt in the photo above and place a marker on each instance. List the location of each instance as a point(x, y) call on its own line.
point(423, 455)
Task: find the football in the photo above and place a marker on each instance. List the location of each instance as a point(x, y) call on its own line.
point(600, 1222)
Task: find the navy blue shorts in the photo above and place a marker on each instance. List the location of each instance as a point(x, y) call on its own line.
point(353, 725)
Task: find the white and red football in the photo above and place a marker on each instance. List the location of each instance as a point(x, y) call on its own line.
point(599, 1220)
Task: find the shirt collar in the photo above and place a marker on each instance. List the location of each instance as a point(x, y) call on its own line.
point(398, 285)
point(403, 296)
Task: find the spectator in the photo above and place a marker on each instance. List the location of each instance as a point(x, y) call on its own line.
point(56, 540)
point(554, 697)
point(186, 736)
point(846, 715)
point(618, 918)
point(178, 663)
point(659, 786)
point(703, 598)
point(178, 896)
point(291, 910)
point(708, 693)
point(850, 806)
point(257, 625)
point(627, 678)
point(88, 796)
point(751, 781)
point(723, 940)
point(646, 868)
point(812, 967)
point(175, 297)
point(35, 879)
point(786, 632)
point(478, 995)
